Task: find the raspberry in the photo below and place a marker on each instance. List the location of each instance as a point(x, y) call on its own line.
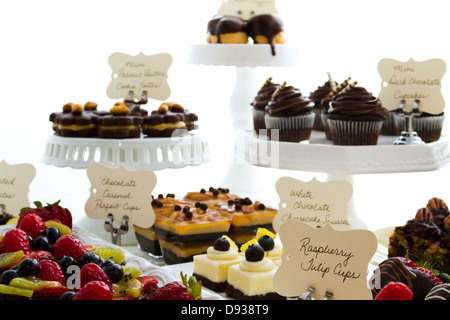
point(32, 224)
point(70, 246)
point(92, 272)
point(15, 240)
point(395, 291)
point(51, 271)
point(175, 290)
point(94, 290)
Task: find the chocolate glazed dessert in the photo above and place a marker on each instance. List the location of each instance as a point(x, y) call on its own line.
point(266, 29)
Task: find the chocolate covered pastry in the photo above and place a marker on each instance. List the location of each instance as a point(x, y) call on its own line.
point(226, 29)
point(266, 29)
point(164, 123)
point(119, 124)
point(76, 123)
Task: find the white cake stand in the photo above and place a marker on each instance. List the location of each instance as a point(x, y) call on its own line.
point(245, 58)
point(133, 154)
point(343, 162)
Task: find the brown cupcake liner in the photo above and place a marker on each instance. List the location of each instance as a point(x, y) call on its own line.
point(318, 124)
point(429, 129)
point(326, 126)
point(355, 132)
point(391, 126)
point(258, 120)
point(291, 129)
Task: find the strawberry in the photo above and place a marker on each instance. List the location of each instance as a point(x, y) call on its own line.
point(149, 282)
point(51, 271)
point(32, 224)
point(50, 292)
point(94, 290)
point(395, 291)
point(92, 272)
point(49, 212)
point(68, 245)
point(179, 290)
point(15, 240)
point(40, 255)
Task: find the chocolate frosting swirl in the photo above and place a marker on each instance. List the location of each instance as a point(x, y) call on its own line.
point(264, 95)
point(357, 102)
point(321, 92)
point(289, 101)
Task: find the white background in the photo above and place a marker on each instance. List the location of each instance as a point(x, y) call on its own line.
point(53, 52)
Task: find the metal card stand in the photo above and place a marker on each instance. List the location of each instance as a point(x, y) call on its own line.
point(307, 295)
point(409, 136)
point(4, 216)
point(116, 233)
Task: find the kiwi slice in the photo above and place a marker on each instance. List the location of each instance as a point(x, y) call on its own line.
point(10, 258)
point(115, 254)
point(7, 289)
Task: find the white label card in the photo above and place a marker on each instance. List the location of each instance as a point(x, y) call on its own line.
point(326, 259)
point(412, 80)
point(316, 203)
point(15, 182)
point(139, 73)
point(245, 8)
point(121, 193)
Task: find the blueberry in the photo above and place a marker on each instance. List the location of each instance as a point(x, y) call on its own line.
point(89, 257)
point(266, 242)
point(254, 253)
point(7, 276)
point(52, 234)
point(67, 295)
point(28, 267)
point(65, 262)
point(40, 243)
point(114, 272)
point(106, 262)
point(222, 244)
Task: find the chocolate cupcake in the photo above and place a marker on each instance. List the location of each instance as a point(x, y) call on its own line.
point(325, 106)
point(355, 117)
point(260, 102)
point(290, 113)
point(429, 126)
point(266, 29)
point(76, 123)
point(119, 124)
point(227, 29)
point(164, 123)
point(316, 97)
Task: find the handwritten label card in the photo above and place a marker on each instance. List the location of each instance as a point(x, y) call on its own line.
point(410, 81)
point(121, 193)
point(245, 8)
point(15, 182)
point(316, 203)
point(138, 74)
point(326, 259)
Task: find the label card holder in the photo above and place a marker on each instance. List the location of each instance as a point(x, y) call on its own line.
point(412, 81)
point(120, 194)
point(324, 263)
point(15, 182)
point(315, 203)
point(140, 73)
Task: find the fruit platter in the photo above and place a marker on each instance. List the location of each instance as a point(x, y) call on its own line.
point(44, 257)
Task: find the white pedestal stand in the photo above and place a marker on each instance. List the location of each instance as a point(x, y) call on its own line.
point(245, 58)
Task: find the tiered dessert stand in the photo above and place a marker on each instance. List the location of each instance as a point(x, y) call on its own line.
point(244, 58)
point(188, 149)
